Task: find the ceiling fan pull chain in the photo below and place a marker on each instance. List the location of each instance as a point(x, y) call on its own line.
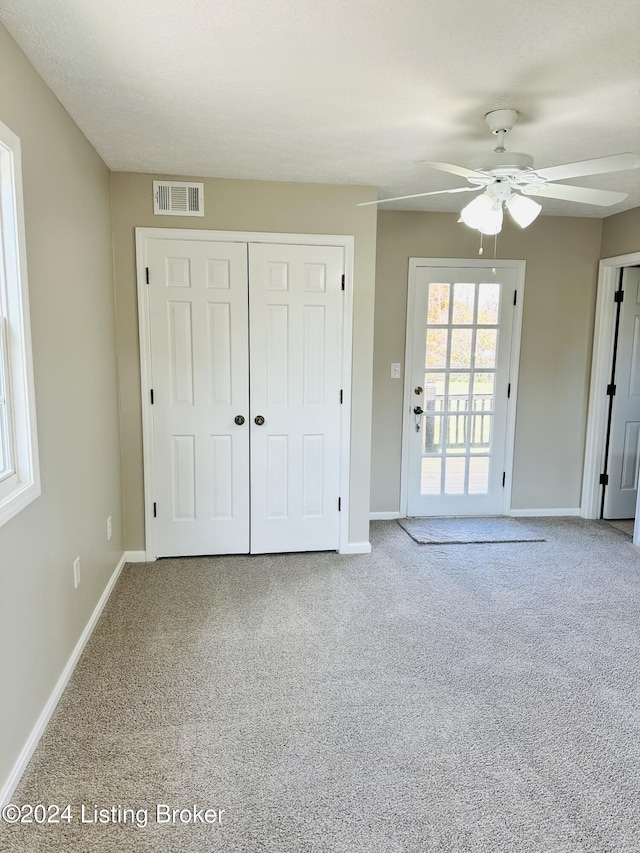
point(481, 249)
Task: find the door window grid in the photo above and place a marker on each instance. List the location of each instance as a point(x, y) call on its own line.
point(457, 461)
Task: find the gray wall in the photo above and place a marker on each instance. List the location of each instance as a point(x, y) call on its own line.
point(246, 206)
point(562, 263)
point(621, 234)
point(68, 236)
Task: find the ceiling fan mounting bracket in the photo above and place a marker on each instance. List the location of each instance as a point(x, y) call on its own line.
point(501, 121)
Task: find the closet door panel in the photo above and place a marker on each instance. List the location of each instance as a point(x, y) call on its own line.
point(198, 317)
point(296, 308)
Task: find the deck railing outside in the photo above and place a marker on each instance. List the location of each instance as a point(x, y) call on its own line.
point(458, 420)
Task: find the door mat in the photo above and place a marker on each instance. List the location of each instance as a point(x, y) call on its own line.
point(468, 531)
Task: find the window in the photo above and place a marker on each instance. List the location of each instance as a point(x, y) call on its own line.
point(19, 473)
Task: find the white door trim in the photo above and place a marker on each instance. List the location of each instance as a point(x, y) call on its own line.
point(344, 241)
point(603, 335)
point(516, 332)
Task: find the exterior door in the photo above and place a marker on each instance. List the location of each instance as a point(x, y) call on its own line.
point(246, 365)
point(296, 356)
point(624, 443)
point(459, 371)
point(200, 377)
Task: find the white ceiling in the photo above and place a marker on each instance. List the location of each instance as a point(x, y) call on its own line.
point(342, 91)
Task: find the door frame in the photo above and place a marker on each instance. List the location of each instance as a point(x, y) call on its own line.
point(603, 337)
point(347, 243)
point(516, 332)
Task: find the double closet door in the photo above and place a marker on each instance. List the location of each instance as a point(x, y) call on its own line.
point(246, 364)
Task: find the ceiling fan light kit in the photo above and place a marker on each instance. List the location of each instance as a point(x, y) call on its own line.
point(483, 214)
point(508, 180)
point(523, 210)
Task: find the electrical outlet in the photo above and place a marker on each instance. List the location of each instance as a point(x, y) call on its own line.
point(396, 368)
point(76, 572)
point(109, 528)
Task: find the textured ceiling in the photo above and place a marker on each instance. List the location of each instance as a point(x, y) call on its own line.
point(342, 91)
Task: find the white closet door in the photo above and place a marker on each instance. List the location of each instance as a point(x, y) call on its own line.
point(295, 362)
point(200, 376)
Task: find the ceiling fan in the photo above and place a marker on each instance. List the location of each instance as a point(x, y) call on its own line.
point(508, 178)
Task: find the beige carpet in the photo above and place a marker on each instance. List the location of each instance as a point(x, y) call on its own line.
point(415, 699)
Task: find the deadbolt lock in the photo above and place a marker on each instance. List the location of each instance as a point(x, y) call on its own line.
point(418, 390)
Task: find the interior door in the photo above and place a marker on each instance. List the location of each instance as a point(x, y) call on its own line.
point(459, 374)
point(296, 356)
point(198, 317)
point(624, 443)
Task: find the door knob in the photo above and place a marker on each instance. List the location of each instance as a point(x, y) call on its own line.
point(418, 410)
point(239, 420)
point(259, 420)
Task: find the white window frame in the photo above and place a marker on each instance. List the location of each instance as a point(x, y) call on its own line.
point(20, 485)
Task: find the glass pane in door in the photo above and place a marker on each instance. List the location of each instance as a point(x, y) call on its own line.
point(488, 303)
point(438, 306)
point(479, 475)
point(436, 355)
point(431, 476)
point(461, 348)
point(459, 387)
point(464, 298)
point(454, 476)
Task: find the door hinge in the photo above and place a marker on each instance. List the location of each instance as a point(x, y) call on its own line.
point(154, 510)
point(611, 390)
point(618, 296)
point(508, 391)
point(515, 297)
point(343, 281)
point(504, 478)
point(339, 504)
point(147, 274)
point(152, 396)
point(604, 480)
point(341, 396)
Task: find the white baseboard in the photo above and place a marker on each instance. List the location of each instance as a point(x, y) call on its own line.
point(533, 513)
point(383, 516)
point(9, 786)
point(357, 548)
point(135, 556)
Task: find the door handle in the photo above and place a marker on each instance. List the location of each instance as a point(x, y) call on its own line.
point(239, 419)
point(259, 420)
point(418, 411)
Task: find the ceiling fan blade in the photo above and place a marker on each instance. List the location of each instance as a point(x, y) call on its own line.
point(598, 166)
point(420, 195)
point(584, 195)
point(452, 168)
